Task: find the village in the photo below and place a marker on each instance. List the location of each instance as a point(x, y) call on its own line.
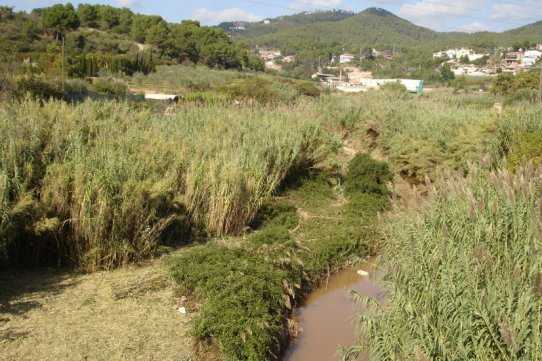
point(344, 75)
point(464, 61)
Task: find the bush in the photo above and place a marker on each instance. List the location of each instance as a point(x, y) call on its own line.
point(244, 303)
point(255, 88)
point(110, 87)
point(366, 175)
point(527, 147)
point(394, 88)
point(36, 88)
point(308, 89)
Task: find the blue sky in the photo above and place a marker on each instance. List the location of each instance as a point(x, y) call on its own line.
point(442, 15)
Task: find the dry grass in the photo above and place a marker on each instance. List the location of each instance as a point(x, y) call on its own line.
point(101, 316)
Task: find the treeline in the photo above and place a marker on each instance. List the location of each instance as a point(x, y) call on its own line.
point(95, 35)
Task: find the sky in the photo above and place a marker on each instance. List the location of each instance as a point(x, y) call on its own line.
point(441, 15)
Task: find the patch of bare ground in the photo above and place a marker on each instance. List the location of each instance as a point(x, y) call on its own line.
point(126, 314)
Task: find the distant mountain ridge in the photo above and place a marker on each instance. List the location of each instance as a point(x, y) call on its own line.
point(374, 27)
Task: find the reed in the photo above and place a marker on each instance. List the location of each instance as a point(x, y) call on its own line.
point(111, 181)
point(464, 273)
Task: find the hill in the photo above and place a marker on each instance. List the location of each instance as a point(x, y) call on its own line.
point(333, 31)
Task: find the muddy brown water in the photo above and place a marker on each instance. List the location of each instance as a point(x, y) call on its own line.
point(328, 319)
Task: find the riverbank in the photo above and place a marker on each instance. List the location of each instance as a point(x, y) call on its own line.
point(126, 314)
point(244, 290)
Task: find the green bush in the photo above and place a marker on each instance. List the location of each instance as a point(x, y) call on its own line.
point(366, 175)
point(308, 89)
point(255, 88)
point(244, 304)
point(36, 88)
point(110, 87)
point(527, 147)
point(394, 88)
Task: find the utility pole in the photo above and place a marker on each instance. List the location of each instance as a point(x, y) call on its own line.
point(62, 75)
point(540, 86)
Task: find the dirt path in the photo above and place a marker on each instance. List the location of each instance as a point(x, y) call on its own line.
point(127, 314)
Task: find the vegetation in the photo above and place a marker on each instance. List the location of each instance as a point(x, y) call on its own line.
point(100, 184)
point(466, 273)
point(248, 290)
point(102, 38)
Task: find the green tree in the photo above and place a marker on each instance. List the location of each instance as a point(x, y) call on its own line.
point(88, 15)
point(59, 18)
point(446, 73)
point(108, 17)
point(158, 35)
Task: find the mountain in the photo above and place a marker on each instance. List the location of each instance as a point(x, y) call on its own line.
point(333, 31)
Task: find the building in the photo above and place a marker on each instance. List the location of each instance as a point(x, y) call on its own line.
point(346, 58)
point(269, 54)
point(530, 58)
point(271, 65)
point(288, 59)
point(387, 54)
point(459, 53)
point(267, 21)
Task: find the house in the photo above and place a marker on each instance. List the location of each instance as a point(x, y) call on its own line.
point(530, 58)
point(412, 85)
point(288, 59)
point(387, 54)
point(269, 54)
point(162, 97)
point(346, 58)
point(271, 65)
point(267, 21)
point(458, 54)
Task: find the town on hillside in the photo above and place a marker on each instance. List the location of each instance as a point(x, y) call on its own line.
point(343, 72)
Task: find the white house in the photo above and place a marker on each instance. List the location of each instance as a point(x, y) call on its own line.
point(458, 54)
point(346, 58)
point(269, 54)
point(530, 58)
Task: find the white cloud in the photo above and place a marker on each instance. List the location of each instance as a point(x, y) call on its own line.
point(315, 4)
point(473, 27)
point(435, 13)
point(211, 17)
point(127, 3)
point(528, 10)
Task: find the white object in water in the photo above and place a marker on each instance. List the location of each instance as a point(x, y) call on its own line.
point(363, 273)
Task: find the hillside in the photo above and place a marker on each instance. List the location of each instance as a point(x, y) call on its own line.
point(373, 27)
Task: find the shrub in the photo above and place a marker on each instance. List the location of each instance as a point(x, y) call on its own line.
point(527, 147)
point(394, 88)
point(36, 88)
point(244, 303)
point(366, 175)
point(110, 87)
point(252, 88)
point(308, 89)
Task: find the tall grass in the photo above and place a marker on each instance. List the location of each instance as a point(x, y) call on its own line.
point(465, 273)
point(100, 184)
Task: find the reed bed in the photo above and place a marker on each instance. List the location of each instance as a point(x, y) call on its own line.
point(465, 273)
point(100, 184)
